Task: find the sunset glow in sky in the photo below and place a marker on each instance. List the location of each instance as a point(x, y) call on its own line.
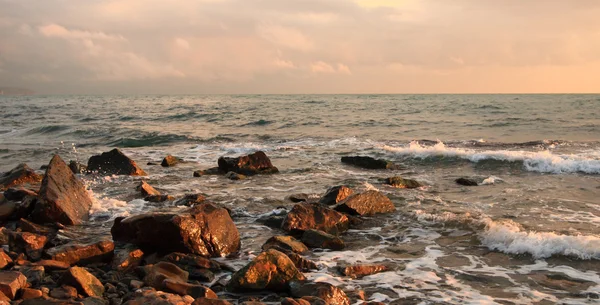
point(300, 46)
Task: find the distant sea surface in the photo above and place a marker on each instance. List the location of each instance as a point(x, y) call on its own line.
point(530, 232)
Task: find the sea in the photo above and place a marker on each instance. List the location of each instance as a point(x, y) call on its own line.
point(529, 233)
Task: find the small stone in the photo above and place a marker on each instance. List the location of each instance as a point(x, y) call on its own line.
point(195, 291)
point(127, 259)
point(158, 273)
point(335, 195)
point(466, 182)
point(135, 284)
point(146, 189)
point(86, 283)
point(5, 260)
point(64, 292)
point(11, 282)
point(399, 182)
point(169, 161)
point(207, 301)
point(28, 293)
point(28, 243)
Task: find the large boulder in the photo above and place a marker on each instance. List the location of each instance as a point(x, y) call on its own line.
point(114, 162)
point(306, 216)
point(204, 229)
point(62, 197)
point(81, 254)
point(20, 175)
point(85, 283)
point(256, 163)
point(329, 293)
point(369, 162)
point(335, 194)
point(367, 203)
point(271, 270)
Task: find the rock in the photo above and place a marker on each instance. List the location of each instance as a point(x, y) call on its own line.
point(253, 164)
point(208, 172)
point(28, 293)
point(329, 293)
point(466, 182)
point(64, 292)
point(234, 176)
point(195, 291)
point(62, 197)
point(190, 200)
point(320, 239)
point(207, 301)
point(273, 221)
point(200, 274)
point(4, 299)
point(399, 182)
point(5, 260)
point(99, 301)
point(156, 274)
point(358, 271)
point(305, 216)
point(285, 244)
point(301, 197)
point(192, 260)
point(28, 226)
point(20, 175)
point(127, 258)
point(369, 162)
point(77, 168)
point(159, 198)
point(15, 210)
point(307, 300)
point(302, 263)
point(204, 229)
point(169, 161)
point(85, 283)
point(18, 193)
point(30, 244)
point(147, 190)
point(52, 265)
point(34, 274)
point(49, 301)
point(75, 254)
point(271, 270)
point(114, 162)
point(7, 210)
point(135, 284)
point(336, 194)
point(151, 297)
point(367, 203)
point(11, 282)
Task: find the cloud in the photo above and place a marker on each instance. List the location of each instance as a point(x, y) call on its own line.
point(285, 37)
point(55, 30)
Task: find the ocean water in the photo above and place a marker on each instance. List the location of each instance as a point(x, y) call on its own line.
point(529, 233)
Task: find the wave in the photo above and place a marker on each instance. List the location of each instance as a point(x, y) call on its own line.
point(540, 161)
point(153, 139)
point(47, 129)
point(258, 123)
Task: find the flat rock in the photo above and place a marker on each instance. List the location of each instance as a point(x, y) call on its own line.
point(365, 204)
point(5, 260)
point(302, 263)
point(11, 282)
point(285, 244)
point(369, 162)
point(192, 260)
point(64, 292)
point(252, 164)
point(207, 301)
point(18, 193)
point(306, 216)
point(195, 291)
point(75, 254)
point(152, 297)
point(156, 274)
point(147, 190)
point(208, 172)
point(85, 283)
point(52, 265)
point(127, 258)
point(30, 244)
point(20, 175)
point(362, 270)
point(329, 293)
point(114, 162)
point(336, 194)
point(323, 240)
point(402, 183)
point(28, 293)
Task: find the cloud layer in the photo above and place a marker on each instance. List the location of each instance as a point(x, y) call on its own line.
point(300, 46)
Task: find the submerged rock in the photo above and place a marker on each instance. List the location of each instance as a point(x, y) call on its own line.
point(285, 244)
point(208, 172)
point(306, 216)
point(336, 194)
point(114, 162)
point(358, 271)
point(253, 164)
point(466, 181)
point(402, 183)
point(20, 175)
point(320, 239)
point(170, 161)
point(146, 189)
point(330, 294)
point(367, 203)
point(369, 162)
point(62, 197)
point(234, 176)
point(204, 229)
point(159, 198)
point(190, 200)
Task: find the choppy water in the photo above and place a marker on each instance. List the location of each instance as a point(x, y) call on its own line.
point(530, 233)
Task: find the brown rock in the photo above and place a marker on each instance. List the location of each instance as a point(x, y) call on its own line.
point(151, 297)
point(28, 226)
point(256, 163)
point(234, 176)
point(77, 168)
point(4, 299)
point(85, 283)
point(52, 265)
point(182, 288)
point(329, 293)
point(159, 198)
point(305, 216)
point(20, 175)
point(62, 197)
point(169, 161)
point(271, 270)
point(64, 292)
point(11, 282)
point(285, 244)
point(147, 190)
point(358, 271)
point(49, 301)
point(307, 300)
point(399, 182)
point(7, 210)
point(323, 240)
point(28, 293)
point(18, 193)
point(336, 194)
point(367, 203)
point(75, 254)
point(208, 172)
point(114, 162)
point(369, 163)
point(127, 258)
point(466, 181)
point(207, 301)
point(158, 273)
point(5, 260)
point(192, 260)
point(302, 263)
point(190, 200)
point(204, 229)
point(30, 244)
point(34, 274)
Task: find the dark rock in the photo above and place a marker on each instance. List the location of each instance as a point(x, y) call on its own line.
point(7, 210)
point(28, 226)
point(97, 301)
point(75, 254)
point(34, 274)
point(253, 164)
point(466, 182)
point(234, 176)
point(30, 244)
point(127, 258)
point(208, 172)
point(52, 265)
point(329, 293)
point(190, 200)
point(307, 300)
point(135, 284)
point(49, 301)
point(199, 274)
point(62, 197)
point(207, 301)
point(302, 197)
point(358, 271)
point(192, 260)
point(273, 221)
point(204, 229)
point(28, 293)
point(77, 168)
point(152, 163)
point(169, 161)
point(271, 270)
point(18, 193)
point(369, 162)
point(305, 216)
point(336, 194)
point(320, 239)
point(367, 203)
point(159, 198)
point(151, 297)
point(20, 175)
point(402, 183)
point(147, 190)
point(195, 291)
point(302, 263)
point(5, 260)
point(285, 244)
point(11, 282)
point(64, 292)
point(85, 283)
point(114, 162)
point(156, 275)
point(14, 210)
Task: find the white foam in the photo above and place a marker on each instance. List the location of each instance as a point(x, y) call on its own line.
point(540, 161)
point(490, 180)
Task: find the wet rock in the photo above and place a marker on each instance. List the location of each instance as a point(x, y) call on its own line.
point(99, 301)
point(28, 293)
point(28, 226)
point(11, 282)
point(64, 292)
point(4, 299)
point(75, 254)
point(320, 239)
point(85, 283)
point(190, 200)
point(369, 162)
point(367, 203)
point(561, 281)
point(200, 274)
point(195, 291)
point(169, 161)
point(329, 293)
point(302, 263)
point(62, 197)
point(18, 193)
point(151, 297)
point(302, 197)
point(156, 274)
point(306, 216)
point(408, 250)
point(20, 175)
point(253, 164)
point(49, 301)
point(7, 210)
point(191, 260)
point(52, 265)
point(147, 190)
point(335, 195)
point(34, 274)
point(135, 284)
point(273, 221)
point(358, 271)
point(5, 260)
point(204, 229)
point(127, 258)
point(402, 183)
point(30, 244)
point(208, 172)
point(77, 168)
point(285, 244)
point(307, 300)
point(466, 181)
point(207, 301)
point(159, 198)
point(234, 176)
point(114, 162)
point(271, 270)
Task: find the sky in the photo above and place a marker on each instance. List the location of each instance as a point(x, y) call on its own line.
point(300, 46)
